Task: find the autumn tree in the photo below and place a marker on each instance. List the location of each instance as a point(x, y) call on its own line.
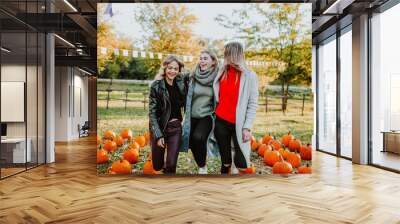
point(282, 33)
point(167, 29)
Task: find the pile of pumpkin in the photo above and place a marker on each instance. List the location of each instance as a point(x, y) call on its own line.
point(121, 152)
point(285, 156)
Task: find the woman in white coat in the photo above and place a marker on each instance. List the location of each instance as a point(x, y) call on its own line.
point(236, 95)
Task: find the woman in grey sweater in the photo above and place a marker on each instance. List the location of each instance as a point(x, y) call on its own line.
point(236, 95)
point(199, 110)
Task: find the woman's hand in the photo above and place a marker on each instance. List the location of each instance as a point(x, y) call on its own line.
point(161, 142)
point(246, 135)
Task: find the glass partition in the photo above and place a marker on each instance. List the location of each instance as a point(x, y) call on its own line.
point(327, 95)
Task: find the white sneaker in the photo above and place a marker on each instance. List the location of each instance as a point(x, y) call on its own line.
point(234, 170)
point(203, 170)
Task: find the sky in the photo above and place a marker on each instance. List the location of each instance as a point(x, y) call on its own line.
point(125, 25)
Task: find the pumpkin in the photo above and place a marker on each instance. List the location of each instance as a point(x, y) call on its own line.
point(132, 155)
point(260, 141)
point(141, 140)
point(267, 139)
point(147, 136)
point(98, 140)
point(126, 134)
point(252, 139)
point(121, 167)
point(304, 169)
point(306, 152)
point(148, 166)
point(284, 152)
point(249, 170)
point(282, 167)
point(119, 140)
point(134, 145)
point(286, 139)
point(271, 157)
point(109, 134)
point(275, 144)
point(102, 156)
point(294, 145)
point(110, 146)
point(254, 146)
point(263, 148)
point(294, 159)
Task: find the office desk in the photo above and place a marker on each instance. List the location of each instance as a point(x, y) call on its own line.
point(391, 141)
point(13, 150)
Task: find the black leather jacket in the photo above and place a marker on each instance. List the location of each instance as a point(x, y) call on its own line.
point(160, 105)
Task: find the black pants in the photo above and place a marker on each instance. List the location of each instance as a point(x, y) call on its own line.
point(172, 139)
point(199, 131)
point(225, 131)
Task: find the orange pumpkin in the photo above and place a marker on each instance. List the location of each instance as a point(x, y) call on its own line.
point(260, 141)
point(253, 139)
point(249, 170)
point(267, 139)
point(119, 140)
point(282, 167)
point(98, 140)
point(263, 149)
point(134, 145)
point(109, 134)
point(287, 138)
point(148, 166)
point(110, 146)
point(126, 134)
point(141, 140)
point(304, 169)
point(283, 152)
point(271, 157)
point(147, 136)
point(121, 167)
point(294, 159)
point(132, 155)
point(306, 152)
point(102, 156)
point(254, 146)
point(294, 145)
point(275, 144)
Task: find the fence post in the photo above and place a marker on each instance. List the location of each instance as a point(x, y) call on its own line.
point(108, 95)
point(284, 104)
point(266, 102)
point(126, 97)
point(144, 100)
point(302, 108)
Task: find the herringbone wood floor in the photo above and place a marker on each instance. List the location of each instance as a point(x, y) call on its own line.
point(69, 191)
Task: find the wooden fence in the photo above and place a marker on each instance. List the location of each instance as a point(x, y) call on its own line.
point(269, 101)
point(124, 97)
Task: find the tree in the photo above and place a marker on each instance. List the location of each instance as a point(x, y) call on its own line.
point(167, 29)
point(282, 35)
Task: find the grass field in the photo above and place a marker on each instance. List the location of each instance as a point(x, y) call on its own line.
point(135, 117)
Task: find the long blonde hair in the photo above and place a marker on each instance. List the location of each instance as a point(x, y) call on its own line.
point(234, 56)
point(168, 60)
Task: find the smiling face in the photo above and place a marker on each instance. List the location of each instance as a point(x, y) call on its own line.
point(205, 61)
point(172, 70)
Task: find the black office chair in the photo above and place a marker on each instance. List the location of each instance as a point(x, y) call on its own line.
point(84, 130)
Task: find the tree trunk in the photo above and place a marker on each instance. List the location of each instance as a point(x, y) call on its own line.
point(283, 95)
point(286, 96)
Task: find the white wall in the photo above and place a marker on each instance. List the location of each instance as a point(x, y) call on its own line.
point(70, 83)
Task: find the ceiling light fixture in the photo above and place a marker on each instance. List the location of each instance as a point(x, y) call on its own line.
point(64, 40)
point(337, 7)
point(5, 50)
point(84, 71)
point(70, 5)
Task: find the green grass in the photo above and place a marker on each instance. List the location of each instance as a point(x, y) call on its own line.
point(135, 117)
